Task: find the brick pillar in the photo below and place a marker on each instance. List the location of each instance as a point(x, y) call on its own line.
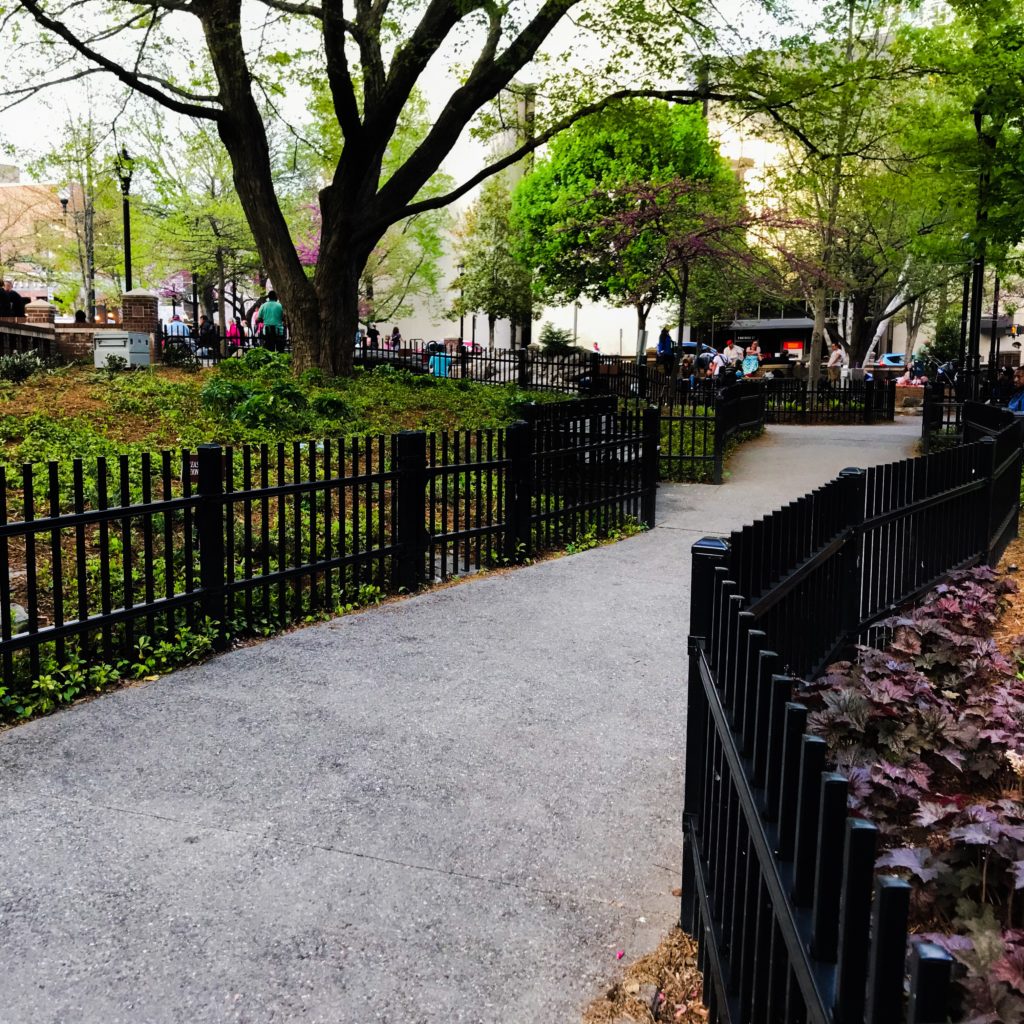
point(40, 312)
point(139, 315)
point(138, 312)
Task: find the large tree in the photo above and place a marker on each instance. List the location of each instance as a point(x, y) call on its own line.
point(832, 93)
point(581, 212)
point(492, 279)
point(372, 54)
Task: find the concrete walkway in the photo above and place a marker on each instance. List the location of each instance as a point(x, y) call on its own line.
point(453, 808)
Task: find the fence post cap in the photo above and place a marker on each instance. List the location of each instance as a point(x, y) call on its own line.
point(852, 471)
point(711, 546)
point(926, 950)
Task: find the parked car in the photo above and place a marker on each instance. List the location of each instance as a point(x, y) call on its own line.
point(890, 360)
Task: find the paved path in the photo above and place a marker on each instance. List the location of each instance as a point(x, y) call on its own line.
point(451, 808)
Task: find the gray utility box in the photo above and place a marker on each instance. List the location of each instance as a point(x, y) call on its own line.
point(131, 346)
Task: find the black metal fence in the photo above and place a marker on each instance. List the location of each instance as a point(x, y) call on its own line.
point(698, 424)
point(106, 556)
point(779, 884)
point(869, 401)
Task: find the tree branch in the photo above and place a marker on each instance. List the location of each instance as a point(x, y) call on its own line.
point(339, 77)
point(134, 81)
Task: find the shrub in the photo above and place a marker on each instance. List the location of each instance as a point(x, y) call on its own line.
point(330, 405)
point(556, 341)
point(19, 366)
point(928, 733)
point(222, 395)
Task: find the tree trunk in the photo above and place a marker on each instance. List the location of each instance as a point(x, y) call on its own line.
point(817, 336)
point(490, 333)
point(860, 335)
point(222, 299)
point(684, 288)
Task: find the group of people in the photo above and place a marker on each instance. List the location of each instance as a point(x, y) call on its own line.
point(11, 303)
point(371, 338)
point(203, 339)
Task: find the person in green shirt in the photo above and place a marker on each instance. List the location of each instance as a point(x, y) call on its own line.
point(271, 315)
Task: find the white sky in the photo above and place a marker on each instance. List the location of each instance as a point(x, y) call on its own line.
point(28, 130)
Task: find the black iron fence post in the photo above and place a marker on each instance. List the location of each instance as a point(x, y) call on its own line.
point(522, 376)
point(650, 463)
point(595, 372)
point(989, 515)
point(851, 553)
point(410, 512)
point(869, 402)
point(931, 972)
point(519, 492)
point(890, 400)
point(210, 534)
point(720, 432)
point(707, 555)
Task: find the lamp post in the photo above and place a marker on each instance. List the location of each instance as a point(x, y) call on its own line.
point(462, 306)
point(576, 307)
point(125, 164)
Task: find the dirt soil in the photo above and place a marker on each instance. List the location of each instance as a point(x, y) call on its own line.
point(663, 986)
point(76, 392)
point(1010, 626)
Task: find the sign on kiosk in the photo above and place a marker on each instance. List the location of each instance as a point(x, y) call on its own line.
point(794, 348)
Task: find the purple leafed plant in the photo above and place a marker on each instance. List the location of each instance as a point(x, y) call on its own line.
point(930, 732)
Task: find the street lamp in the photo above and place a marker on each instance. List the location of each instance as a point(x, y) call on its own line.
point(125, 164)
point(462, 308)
point(576, 307)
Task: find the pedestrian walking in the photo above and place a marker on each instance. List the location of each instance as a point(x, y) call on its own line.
point(396, 338)
point(235, 335)
point(665, 356)
point(271, 317)
point(835, 363)
point(372, 336)
point(207, 336)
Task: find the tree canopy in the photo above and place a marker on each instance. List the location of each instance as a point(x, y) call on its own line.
point(244, 58)
point(574, 210)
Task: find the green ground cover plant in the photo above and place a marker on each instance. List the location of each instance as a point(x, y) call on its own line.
point(71, 412)
point(930, 734)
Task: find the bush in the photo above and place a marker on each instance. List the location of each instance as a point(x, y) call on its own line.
point(331, 406)
point(928, 733)
point(116, 364)
point(180, 356)
point(19, 366)
point(555, 341)
point(945, 345)
point(223, 396)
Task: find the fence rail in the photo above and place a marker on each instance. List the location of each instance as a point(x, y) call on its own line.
point(102, 555)
point(779, 884)
point(792, 401)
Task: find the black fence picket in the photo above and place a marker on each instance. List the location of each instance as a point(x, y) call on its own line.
point(779, 885)
point(110, 558)
point(792, 401)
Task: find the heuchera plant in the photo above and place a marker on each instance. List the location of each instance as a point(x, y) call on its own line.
point(930, 733)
